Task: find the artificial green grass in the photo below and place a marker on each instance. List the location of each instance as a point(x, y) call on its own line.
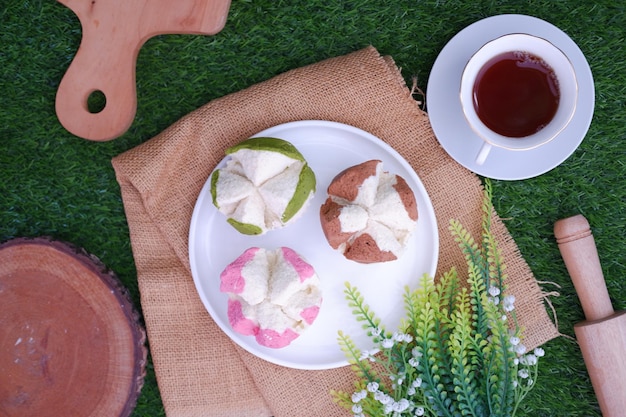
point(52, 183)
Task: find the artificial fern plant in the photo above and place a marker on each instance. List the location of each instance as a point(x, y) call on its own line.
point(457, 352)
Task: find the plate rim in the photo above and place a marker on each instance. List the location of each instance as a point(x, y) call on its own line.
point(204, 194)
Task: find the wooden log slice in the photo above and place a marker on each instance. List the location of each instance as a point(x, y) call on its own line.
point(71, 343)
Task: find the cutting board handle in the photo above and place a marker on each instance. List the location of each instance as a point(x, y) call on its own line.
point(113, 33)
point(578, 249)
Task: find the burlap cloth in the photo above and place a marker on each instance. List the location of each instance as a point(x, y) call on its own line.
point(200, 372)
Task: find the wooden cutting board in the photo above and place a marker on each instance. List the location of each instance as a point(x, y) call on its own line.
point(113, 32)
point(71, 343)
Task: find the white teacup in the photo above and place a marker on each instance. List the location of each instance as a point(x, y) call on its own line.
point(551, 56)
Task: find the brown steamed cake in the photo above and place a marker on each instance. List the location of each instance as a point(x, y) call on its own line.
point(369, 214)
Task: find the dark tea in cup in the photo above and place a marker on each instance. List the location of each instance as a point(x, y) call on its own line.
point(516, 94)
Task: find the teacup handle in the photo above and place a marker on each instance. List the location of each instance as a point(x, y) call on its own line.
point(482, 154)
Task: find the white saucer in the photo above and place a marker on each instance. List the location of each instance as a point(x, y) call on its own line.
point(450, 126)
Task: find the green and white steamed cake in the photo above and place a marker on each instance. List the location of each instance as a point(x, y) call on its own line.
point(265, 184)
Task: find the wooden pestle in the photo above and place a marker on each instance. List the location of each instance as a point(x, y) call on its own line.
point(602, 337)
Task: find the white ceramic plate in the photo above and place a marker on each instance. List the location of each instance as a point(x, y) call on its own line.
point(329, 148)
point(450, 126)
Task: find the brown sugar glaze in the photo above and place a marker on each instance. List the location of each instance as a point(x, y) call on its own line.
point(516, 94)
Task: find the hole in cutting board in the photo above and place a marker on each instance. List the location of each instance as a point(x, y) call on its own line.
point(96, 102)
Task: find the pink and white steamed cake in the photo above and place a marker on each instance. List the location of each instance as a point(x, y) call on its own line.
point(273, 295)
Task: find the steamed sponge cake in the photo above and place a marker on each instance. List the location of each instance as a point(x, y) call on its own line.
point(265, 184)
point(273, 295)
point(369, 214)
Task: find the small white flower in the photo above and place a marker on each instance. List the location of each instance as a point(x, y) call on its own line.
point(530, 381)
point(416, 353)
point(408, 338)
point(508, 303)
point(397, 336)
point(515, 340)
point(514, 384)
point(372, 386)
point(523, 373)
point(504, 317)
point(411, 391)
point(400, 381)
point(359, 415)
point(414, 362)
point(401, 405)
point(529, 360)
point(358, 396)
point(387, 343)
point(494, 291)
point(516, 361)
point(356, 408)
point(495, 300)
point(376, 331)
point(388, 408)
point(364, 355)
point(417, 382)
point(520, 349)
point(539, 352)
point(382, 398)
point(419, 411)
